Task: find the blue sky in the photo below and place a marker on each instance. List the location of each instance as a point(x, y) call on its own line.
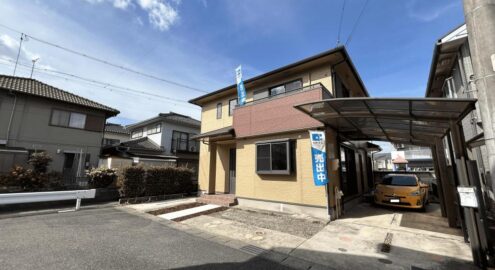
point(200, 42)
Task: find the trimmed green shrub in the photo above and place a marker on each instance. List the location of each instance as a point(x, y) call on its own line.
point(101, 177)
point(131, 182)
point(156, 181)
point(184, 180)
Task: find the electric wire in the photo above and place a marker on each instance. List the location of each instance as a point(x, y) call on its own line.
point(101, 84)
point(356, 23)
point(104, 61)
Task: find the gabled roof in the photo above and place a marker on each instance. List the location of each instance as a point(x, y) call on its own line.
point(340, 50)
point(116, 128)
point(169, 117)
point(34, 87)
point(142, 147)
point(444, 58)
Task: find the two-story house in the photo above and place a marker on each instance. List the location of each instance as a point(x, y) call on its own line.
point(451, 76)
point(35, 116)
point(261, 151)
point(115, 134)
point(161, 140)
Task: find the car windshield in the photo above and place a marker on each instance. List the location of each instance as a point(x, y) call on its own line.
point(399, 180)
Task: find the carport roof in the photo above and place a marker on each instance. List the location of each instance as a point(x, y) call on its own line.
point(400, 120)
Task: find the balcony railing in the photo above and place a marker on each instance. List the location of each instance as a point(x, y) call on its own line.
point(286, 93)
point(184, 146)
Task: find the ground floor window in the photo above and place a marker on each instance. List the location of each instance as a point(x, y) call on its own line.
point(274, 157)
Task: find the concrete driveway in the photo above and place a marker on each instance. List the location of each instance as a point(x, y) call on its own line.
point(421, 240)
point(111, 238)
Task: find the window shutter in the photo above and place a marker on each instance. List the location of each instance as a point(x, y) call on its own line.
point(94, 123)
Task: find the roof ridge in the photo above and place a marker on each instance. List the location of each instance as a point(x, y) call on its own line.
point(70, 94)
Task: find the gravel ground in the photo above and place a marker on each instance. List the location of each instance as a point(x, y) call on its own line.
point(282, 222)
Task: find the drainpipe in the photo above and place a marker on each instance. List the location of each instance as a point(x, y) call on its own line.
point(11, 117)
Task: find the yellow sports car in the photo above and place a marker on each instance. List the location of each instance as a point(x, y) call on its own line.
point(401, 190)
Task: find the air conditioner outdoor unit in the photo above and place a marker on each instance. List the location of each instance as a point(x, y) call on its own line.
point(3, 142)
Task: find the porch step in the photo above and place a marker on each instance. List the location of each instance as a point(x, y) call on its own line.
point(218, 199)
point(189, 212)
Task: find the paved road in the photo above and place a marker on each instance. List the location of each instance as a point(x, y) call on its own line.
point(111, 239)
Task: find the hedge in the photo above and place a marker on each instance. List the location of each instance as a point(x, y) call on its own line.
point(132, 182)
point(155, 181)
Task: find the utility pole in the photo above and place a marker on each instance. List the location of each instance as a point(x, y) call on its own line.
point(18, 53)
point(32, 68)
point(480, 22)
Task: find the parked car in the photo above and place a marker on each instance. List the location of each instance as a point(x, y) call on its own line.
point(401, 190)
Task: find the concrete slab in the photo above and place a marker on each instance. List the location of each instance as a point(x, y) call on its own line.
point(146, 207)
point(357, 240)
point(189, 212)
point(265, 238)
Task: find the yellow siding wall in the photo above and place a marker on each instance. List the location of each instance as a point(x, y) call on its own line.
point(296, 188)
point(204, 166)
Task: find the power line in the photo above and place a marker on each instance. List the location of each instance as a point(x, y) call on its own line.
point(105, 61)
point(340, 23)
point(104, 85)
point(356, 23)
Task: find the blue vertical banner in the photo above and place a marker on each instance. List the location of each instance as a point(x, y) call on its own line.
point(319, 157)
point(241, 91)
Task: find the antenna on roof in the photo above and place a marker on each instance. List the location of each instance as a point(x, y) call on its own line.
point(32, 68)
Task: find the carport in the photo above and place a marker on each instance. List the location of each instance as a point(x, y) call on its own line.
point(432, 122)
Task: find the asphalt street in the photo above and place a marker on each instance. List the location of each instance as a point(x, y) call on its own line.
point(109, 238)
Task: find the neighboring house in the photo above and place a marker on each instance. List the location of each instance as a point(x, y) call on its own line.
point(158, 141)
point(35, 116)
point(451, 76)
point(261, 151)
point(115, 134)
point(383, 162)
point(419, 158)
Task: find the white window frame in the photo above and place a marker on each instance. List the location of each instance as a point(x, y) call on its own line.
point(154, 129)
point(137, 131)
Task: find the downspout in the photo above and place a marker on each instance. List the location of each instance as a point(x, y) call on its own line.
point(11, 116)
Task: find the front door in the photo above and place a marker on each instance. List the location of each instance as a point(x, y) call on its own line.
point(70, 168)
point(232, 157)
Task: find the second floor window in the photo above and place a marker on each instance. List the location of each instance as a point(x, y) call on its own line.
point(232, 104)
point(219, 110)
point(180, 141)
point(156, 128)
point(68, 119)
point(138, 133)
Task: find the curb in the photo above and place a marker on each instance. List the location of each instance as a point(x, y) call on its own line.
point(56, 211)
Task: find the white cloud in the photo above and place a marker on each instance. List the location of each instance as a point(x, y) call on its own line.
point(429, 12)
point(161, 14)
point(122, 4)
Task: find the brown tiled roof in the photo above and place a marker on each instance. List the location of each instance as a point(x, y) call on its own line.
point(36, 88)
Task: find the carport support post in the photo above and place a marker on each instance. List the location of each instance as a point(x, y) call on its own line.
point(439, 179)
point(479, 258)
point(447, 188)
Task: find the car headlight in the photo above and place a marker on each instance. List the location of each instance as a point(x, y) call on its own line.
point(415, 193)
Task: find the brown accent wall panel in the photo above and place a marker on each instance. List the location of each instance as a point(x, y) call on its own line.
point(94, 123)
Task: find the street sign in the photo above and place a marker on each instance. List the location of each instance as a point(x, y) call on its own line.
point(467, 196)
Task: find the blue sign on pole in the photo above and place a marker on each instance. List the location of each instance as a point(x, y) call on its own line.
point(319, 157)
point(241, 91)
